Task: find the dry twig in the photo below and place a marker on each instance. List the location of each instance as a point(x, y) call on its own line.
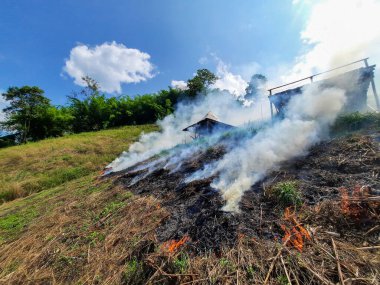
point(341, 279)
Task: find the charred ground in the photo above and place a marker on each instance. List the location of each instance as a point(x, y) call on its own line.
point(195, 208)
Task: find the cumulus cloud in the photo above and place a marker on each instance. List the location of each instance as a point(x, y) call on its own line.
point(179, 84)
point(233, 83)
point(111, 64)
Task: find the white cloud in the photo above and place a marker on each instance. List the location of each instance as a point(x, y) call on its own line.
point(338, 32)
point(233, 83)
point(179, 84)
point(111, 64)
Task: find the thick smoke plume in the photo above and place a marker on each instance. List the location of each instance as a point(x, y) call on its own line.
point(306, 122)
point(248, 159)
point(224, 105)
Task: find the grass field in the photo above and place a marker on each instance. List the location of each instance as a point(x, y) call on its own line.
point(38, 166)
point(54, 168)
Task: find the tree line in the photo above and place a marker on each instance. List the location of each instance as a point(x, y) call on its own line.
point(30, 116)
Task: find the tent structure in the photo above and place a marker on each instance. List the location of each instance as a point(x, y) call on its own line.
point(207, 126)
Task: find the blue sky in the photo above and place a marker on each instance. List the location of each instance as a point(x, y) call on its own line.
point(179, 36)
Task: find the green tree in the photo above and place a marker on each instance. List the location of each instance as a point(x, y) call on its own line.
point(25, 106)
point(255, 86)
point(203, 79)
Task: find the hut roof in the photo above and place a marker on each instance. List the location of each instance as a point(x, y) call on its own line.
point(210, 117)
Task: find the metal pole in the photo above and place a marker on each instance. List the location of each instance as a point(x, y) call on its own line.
point(373, 87)
point(271, 107)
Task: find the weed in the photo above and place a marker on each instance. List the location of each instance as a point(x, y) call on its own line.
point(250, 271)
point(286, 193)
point(95, 237)
point(111, 207)
point(282, 280)
point(64, 260)
point(14, 223)
point(181, 263)
point(226, 263)
point(133, 272)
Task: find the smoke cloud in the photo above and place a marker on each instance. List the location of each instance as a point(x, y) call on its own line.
point(223, 104)
point(336, 32)
point(306, 121)
point(333, 39)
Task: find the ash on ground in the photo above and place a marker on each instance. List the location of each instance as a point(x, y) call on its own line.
point(195, 208)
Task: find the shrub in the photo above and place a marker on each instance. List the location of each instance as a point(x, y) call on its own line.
point(286, 194)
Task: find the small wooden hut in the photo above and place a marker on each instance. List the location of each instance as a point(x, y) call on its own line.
point(207, 126)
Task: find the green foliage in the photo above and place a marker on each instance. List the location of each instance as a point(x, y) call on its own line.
point(95, 237)
point(286, 194)
point(25, 107)
point(96, 111)
point(134, 272)
point(282, 280)
point(31, 116)
point(356, 121)
point(251, 272)
point(181, 263)
point(200, 82)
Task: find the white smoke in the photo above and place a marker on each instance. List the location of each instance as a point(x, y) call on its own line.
point(228, 81)
point(222, 104)
point(307, 119)
point(337, 32)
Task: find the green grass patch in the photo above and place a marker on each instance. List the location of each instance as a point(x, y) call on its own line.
point(356, 121)
point(285, 193)
point(181, 263)
point(12, 224)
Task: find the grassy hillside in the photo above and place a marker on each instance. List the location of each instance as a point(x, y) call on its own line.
point(34, 167)
point(53, 168)
point(79, 229)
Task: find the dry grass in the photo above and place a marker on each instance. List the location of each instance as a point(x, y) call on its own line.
point(108, 237)
point(34, 167)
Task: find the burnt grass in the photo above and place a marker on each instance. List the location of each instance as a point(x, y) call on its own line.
point(195, 208)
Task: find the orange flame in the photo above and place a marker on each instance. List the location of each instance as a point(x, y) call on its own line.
point(173, 245)
point(295, 235)
point(353, 206)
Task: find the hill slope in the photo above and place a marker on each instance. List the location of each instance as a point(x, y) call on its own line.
point(53, 166)
point(158, 230)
